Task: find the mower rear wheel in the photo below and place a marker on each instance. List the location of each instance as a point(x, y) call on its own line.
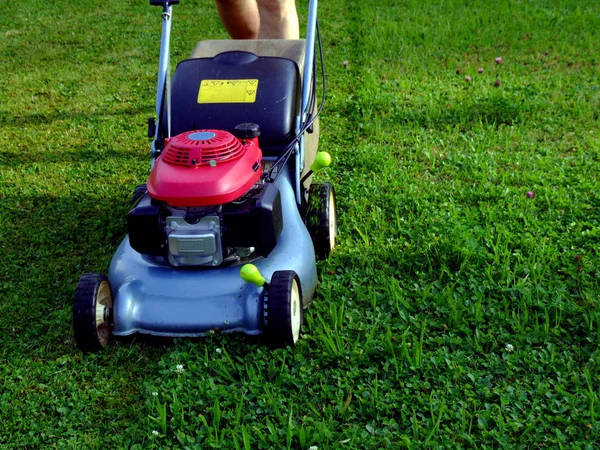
point(92, 312)
point(321, 218)
point(283, 309)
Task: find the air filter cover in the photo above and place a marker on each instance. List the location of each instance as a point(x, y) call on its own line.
point(205, 168)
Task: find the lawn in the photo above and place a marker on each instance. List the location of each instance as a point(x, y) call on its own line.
point(461, 307)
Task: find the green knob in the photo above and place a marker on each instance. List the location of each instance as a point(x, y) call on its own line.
point(250, 274)
point(323, 159)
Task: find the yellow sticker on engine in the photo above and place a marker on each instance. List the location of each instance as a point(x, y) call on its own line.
point(228, 91)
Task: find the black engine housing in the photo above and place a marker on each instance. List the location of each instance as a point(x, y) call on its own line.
point(255, 220)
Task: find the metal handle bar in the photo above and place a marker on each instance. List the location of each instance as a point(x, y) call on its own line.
point(163, 3)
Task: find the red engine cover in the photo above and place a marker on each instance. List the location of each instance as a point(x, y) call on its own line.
point(205, 168)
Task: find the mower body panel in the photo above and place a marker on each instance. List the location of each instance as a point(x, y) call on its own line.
point(153, 297)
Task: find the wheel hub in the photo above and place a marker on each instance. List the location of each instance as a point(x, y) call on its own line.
point(295, 313)
point(332, 220)
point(103, 312)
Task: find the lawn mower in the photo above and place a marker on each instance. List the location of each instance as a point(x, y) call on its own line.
point(225, 233)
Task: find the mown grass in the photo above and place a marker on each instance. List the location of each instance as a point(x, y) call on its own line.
point(460, 308)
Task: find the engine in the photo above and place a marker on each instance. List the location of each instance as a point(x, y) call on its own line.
point(206, 203)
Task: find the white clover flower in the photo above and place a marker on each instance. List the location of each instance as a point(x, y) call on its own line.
point(179, 368)
point(154, 433)
point(154, 394)
point(218, 350)
point(509, 348)
point(313, 447)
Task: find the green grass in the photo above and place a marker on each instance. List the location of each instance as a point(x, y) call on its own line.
point(456, 311)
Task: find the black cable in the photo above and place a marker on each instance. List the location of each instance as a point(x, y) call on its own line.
point(313, 96)
point(287, 152)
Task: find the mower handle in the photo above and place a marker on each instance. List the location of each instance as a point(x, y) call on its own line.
point(163, 3)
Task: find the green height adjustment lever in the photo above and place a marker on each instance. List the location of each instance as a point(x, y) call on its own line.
point(323, 159)
point(250, 274)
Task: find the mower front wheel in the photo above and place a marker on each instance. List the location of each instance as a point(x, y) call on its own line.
point(283, 310)
point(321, 218)
point(92, 312)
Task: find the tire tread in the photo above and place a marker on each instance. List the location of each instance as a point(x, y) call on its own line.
point(277, 320)
point(84, 312)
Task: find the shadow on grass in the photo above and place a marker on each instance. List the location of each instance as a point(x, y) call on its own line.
point(72, 117)
point(443, 113)
point(53, 241)
point(50, 241)
point(488, 111)
point(89, 138)
point(87, 155)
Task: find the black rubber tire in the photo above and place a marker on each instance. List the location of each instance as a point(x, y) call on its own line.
point(91, 336)
point(283, 310)
point(321, 218)
point(139, 191)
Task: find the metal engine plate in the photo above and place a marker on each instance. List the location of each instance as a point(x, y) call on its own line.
point(197, 244)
